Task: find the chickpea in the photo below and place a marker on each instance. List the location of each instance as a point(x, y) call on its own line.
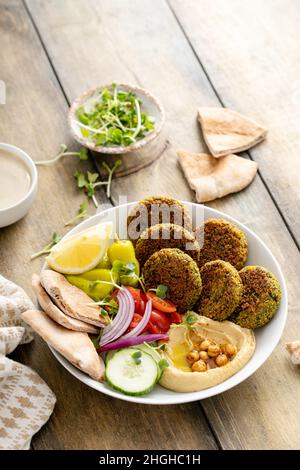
point(213, 350)
point(221, 360)
point(199, 366)
point(192, 356)
point(229, 349)
point(196, 338)
point(211, 364)
point(203, 355)
point(204, 345)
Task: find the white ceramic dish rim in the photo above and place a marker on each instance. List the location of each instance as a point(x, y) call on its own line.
point(180, 398)
point(116, 149)
point(19, 153)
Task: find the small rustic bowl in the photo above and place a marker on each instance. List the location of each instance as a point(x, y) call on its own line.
point(14, 213)
point(149, 103)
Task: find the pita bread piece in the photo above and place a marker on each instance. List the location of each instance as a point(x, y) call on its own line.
point(55, 313)
point(213, 178)
point(226, 131)
point(73, 345)
point(70, 299)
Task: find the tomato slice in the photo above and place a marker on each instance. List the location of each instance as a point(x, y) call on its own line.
point(163, 305)
point(160, 320)
point(152, 328)
point(142, 306)
point(135, 321)
point(175, 317)
point(136, 294)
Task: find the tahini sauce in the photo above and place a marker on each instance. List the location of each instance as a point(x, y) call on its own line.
point(15, 179)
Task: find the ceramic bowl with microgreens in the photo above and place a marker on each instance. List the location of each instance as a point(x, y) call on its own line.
point(116, 118)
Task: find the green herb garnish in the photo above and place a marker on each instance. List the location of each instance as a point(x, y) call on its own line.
point(163, 364)
point(115, 118)
point(124, 268)
point(82, 154)
point(81, 214)
point(161, 291)
point(190, 318)
point(46, 250)
point(89, 181)
point(136, 356)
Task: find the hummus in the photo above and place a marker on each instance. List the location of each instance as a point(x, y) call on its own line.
point(179, 376)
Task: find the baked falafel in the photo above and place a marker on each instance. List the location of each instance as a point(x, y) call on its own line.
point(260, 297)
point(166, 236)
point(221, 240)
point(179, 272)
point(221, 290)
point(155, 210)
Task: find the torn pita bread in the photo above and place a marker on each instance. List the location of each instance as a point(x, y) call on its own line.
point(55, 313)
point(226, 131)
point(71, 300)
point(73, 345)
point(213, 178)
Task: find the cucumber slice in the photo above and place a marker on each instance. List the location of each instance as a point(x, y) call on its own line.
point(156, 356)
point(128, 377)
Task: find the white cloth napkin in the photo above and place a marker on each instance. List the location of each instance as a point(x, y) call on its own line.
point(26, 402)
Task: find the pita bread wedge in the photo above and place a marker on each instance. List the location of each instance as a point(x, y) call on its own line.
point(71, 300)
point(226, 131)
point(55, 313)
point(213, 178)
point(73, 345)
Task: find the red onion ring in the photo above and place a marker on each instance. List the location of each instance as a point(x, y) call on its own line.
point(127, 342)
point(143, 323)
point(122, 320)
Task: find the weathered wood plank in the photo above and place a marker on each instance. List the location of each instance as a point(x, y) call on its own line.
point(251, 55)
point(34, 118)
point(141, 41)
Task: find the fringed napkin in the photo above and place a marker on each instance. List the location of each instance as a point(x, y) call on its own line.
point(26, 402)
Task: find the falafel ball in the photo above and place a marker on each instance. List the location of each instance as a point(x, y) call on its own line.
point(260, 297)
point(155, 210)
point(222, 240)
point(179, 272)
point(221, 290)
point(166, 236)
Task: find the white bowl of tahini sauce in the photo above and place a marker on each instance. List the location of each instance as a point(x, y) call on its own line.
point(18, 184)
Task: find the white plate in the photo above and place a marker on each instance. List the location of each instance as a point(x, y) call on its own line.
point(266, 337)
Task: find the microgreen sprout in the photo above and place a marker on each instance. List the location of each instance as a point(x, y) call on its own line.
point(46, 250)
point(110, 172)
point(82, 213)
point(111, 304)
point(161, 291)
point(89, 181)
point(82, 154)
point(163, 364)
point(136, 356)
point(114, 118)
point(190, 318)
point(128, 270)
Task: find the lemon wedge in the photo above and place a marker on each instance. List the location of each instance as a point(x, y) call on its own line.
point(82, 251)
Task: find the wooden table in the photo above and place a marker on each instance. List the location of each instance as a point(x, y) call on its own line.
point(189, 53)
